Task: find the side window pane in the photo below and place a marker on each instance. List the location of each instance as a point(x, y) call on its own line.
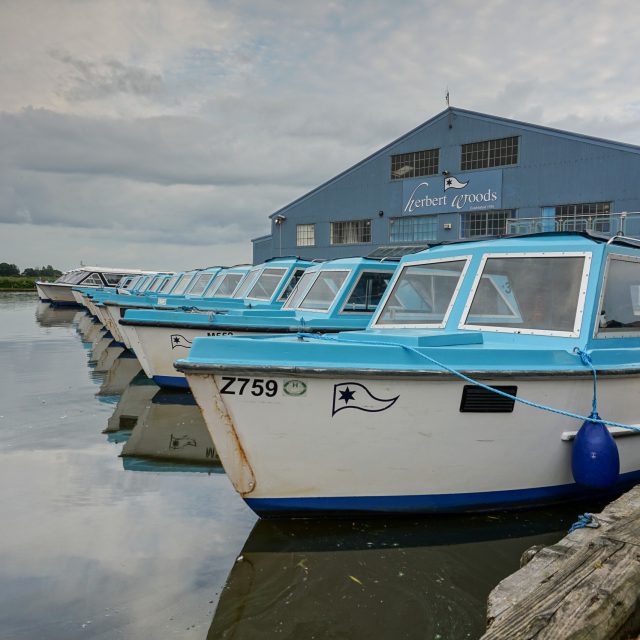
point(620, 312)
point(368, 292)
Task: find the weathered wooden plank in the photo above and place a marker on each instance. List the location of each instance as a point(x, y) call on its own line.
point(586, 586)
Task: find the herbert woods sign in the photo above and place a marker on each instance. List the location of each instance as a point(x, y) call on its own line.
point(448, 194)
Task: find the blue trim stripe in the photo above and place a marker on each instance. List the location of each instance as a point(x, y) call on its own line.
point(438, 503)
point(173, 382)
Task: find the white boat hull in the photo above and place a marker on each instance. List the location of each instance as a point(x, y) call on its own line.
point(305, 449)
point(157, 348)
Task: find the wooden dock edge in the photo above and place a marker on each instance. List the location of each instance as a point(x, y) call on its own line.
point(587, 586)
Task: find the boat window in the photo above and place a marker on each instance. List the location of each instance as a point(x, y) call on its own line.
point(324, 290)
point(200, 284)
point(531, 292)
point(182, 284)
point(620, 307)
point(423, 294)
point(167, 284)
point(266, 284)
point(301, 288)
point(112, 279)
point(156, 283)
point(247, 283)
point(291, 285)
point(223, 286)
point(92, 281)
point(147, 284)
point(368, 292)
point(132, 282)
point(75, 277)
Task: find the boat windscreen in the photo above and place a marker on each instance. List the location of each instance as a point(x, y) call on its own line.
point(422, 295)
point(266, 284)
point(291, 285)
point(324, 290)
point(250, 278)
point(200, 284)
point(182, 284)
point(620, 310)
point(301, 288)
point(532, 292)
point(222, 285)
point(167, 284)
point(368, 291)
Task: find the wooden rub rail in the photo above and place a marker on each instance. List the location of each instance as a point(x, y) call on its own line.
point(585, 587)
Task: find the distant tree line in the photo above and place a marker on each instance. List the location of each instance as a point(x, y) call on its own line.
point(7, 269)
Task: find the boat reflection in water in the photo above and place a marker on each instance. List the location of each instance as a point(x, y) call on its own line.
point(170, 430)
point(122, 372)
point(48, 316)
point(131, 406)
point(379, 579)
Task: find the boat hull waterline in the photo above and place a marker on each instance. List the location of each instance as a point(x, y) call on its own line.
point(401, 443)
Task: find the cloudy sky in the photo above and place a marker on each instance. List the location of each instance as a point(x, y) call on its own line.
point(162, 133)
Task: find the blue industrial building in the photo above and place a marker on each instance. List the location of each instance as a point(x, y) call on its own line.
point(463, 175)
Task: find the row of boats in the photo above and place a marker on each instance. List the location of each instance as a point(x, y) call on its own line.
point(468, 376)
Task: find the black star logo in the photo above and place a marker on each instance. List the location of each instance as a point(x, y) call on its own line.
point(176, 339)
point(347, 395)
point(449, 182)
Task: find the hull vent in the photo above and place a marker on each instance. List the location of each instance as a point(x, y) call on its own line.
point(479, 400)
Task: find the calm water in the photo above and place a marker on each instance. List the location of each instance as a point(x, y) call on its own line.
point(118, 521)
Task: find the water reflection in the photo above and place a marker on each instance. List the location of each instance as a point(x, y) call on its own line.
point(374, 579)
point(170, 429)
point(85, 543)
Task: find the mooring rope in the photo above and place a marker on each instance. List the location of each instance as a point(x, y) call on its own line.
point(587, 361)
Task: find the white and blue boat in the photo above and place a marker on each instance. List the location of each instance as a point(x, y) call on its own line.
point(481, 383)
point(60, 291)
point(339, 295)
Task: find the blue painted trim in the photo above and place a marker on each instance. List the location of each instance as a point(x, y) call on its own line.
point(173, 382)
point(437, 503)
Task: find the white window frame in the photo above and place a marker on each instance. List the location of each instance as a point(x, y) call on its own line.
point(577, 321)
point(299, 228)
point(313, 277)
point(418, 263)
point(356, 280)
point(336, 295)
point(255, 282)
point(621, 334)
point(284, 288)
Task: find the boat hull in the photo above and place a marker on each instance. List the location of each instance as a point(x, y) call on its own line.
point(401, 444)
point(158, 347)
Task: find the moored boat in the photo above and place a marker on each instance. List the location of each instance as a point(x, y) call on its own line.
point(425, 410)
point(338, 295)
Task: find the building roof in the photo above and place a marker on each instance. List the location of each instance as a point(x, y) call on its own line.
point(535, 128)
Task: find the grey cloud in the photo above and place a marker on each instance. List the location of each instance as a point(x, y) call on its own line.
point(96, 80)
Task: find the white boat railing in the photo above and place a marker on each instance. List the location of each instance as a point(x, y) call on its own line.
point(626, 223)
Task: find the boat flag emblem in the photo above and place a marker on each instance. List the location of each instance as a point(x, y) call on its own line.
point(353, 395)
point(178, 340)
point(180, 442)
point(451, 182)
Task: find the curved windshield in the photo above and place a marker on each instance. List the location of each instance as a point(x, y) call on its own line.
point(247, 283)
point(531, 292)
point(423, 294)
point(224, 285)
point(324, 290)
point(291, 285)
point(620, 310)
point(200, 284)
point(182, 284)
point(368, 291)
point(300, 289)
point(266, 284)
point(167, 284)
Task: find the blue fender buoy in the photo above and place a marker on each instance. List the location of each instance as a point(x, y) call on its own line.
point(595, 461)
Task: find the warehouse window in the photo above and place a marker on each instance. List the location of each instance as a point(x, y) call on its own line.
point(351, 232)
point(486, 223)
point(305, 235)
point(490, 153)
point(413, 229)
point(415, 164)
point(587, 216)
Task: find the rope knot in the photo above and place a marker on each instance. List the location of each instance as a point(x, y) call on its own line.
point(584, 356)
